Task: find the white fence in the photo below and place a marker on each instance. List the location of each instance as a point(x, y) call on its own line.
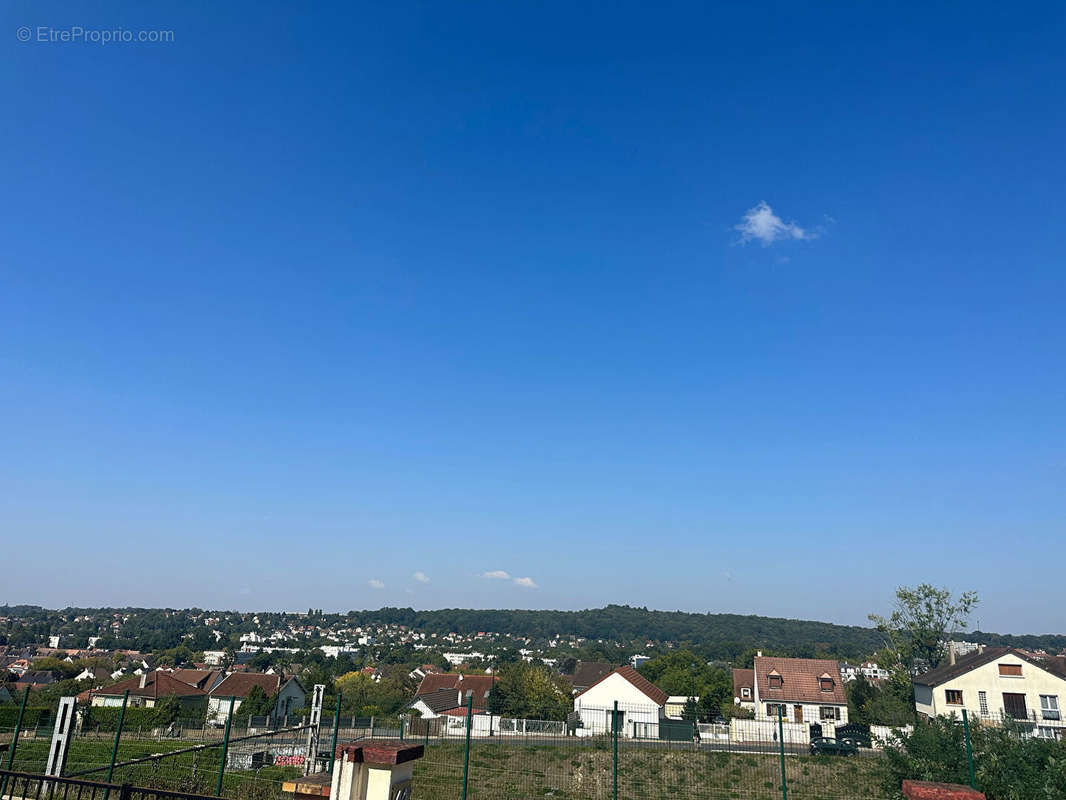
point(492, 725)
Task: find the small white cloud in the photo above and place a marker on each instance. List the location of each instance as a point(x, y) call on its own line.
point(377, 584)
point(526, 583)
point(496, 574)
point(421, 577)
point(762, 224)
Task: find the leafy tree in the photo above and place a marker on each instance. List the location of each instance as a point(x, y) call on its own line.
point(256, 704)
point(1009, 764)
point(528, 691)
point(923, 619)
point(888, 703)
point(682, 672)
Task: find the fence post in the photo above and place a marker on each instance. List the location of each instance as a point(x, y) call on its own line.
point(371, 726)
point(336, 726)
point(427, 732)
point(225, 750)
point(614, 734)
point(781, 743)
point(118, 735)
point(969, 749)
point(15, 738)
point(466, 757)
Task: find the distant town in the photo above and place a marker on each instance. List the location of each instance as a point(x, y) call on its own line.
point(199, 664)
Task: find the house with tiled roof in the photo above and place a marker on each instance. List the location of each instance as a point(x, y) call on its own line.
point(146, 690)
point(995, 682)
point(475, 688)
point(587, 673)
point(801, 690)
point(744, 688)
point(289, 696)
point(441, 703)
point(641, 704)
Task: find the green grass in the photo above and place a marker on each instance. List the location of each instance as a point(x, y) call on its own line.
point(563, 770)
point(499, 771)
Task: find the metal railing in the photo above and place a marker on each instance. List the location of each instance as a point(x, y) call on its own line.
point(30, 786)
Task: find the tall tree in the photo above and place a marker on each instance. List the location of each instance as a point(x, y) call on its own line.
point(923, 620)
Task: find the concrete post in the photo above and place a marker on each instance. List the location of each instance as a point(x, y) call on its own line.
point(374, 770)
point(311, 753)
point(61, 735)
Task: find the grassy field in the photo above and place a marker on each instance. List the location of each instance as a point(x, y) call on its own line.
point(503, 771)
point(511, 771)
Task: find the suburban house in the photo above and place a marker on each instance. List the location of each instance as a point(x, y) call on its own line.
point(994, 682)
point(587, 673)
point(802, 690)
point(146, 690)
point(848, 672)
point(35, 679)
point(441, 703)
point(675, 705)
point(472, 688)
point(641, 704)
point(290, 695)
point(744, 688)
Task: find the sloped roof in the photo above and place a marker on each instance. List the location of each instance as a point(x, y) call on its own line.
point(971, 661)
point(156, 684)
point(587, 673)
point(743, 679)
point(441, 700)
point(799, 680)
point(200, 678)
point(649, 689)
point(480, 685)
point(239, 684)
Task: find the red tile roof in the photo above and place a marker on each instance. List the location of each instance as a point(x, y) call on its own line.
point(239, 684)
point(156, 684)
point(800, 680)
point(650, 690)
point(200, 678)
point(744, 679)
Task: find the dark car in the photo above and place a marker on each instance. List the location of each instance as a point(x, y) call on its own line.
point(825, 745)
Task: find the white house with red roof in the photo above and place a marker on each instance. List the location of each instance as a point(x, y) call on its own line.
point(802, 690)
point(641, 704)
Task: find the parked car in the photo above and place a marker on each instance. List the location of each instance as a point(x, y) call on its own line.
point(826, 745)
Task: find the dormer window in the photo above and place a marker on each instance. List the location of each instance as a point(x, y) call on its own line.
point(774, 679)
point(825, 683)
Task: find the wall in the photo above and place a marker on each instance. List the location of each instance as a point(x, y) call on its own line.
point(811, 712)
point(596, 705)
point(1033, 683)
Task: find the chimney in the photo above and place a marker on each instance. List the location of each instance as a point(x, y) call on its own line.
point(143, 681)
point(758, 653)
point(951, 653)
point(980, 648)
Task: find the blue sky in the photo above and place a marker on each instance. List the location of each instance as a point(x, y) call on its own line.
point(752, 308)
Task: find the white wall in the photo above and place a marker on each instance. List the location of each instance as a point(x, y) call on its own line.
point(1034, 682)
point(596, 705)
point(811, 712)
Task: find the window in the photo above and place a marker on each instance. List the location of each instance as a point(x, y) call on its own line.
point(1010, 670)
point(953, 697)
point(773, 708)
point(829, 712)
point(775, 680)
point(1014, 705)
point(982, 699)
point(1049, 706)
point(745, 693)
point(825, 684)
